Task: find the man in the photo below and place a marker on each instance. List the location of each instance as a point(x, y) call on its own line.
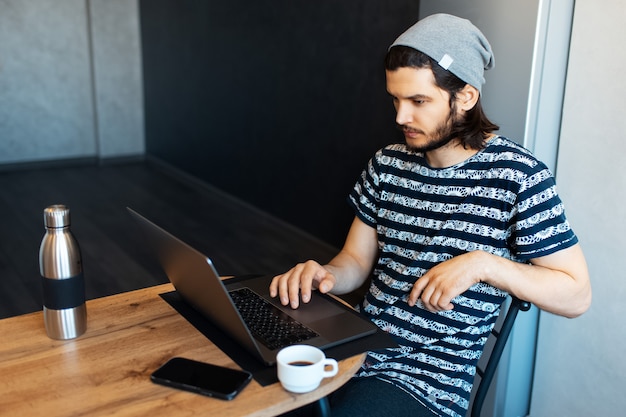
point(450, 222)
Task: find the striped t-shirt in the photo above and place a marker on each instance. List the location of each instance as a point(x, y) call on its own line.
point(503, 201)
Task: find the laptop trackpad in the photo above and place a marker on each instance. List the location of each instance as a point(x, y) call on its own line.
point(317, 309)
point(343, 327)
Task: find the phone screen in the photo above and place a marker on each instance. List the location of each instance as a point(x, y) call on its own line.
point(202, 378)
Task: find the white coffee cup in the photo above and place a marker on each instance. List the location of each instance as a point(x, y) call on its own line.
point(301, 368)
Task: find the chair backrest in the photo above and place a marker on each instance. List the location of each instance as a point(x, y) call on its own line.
point(501, 336)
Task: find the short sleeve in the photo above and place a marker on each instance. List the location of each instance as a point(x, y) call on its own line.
point(541, 227)
point(365, 196)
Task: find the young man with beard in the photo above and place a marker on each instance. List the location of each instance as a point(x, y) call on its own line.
point(450, 222)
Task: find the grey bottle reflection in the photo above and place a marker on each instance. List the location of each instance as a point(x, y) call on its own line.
point(60, 266)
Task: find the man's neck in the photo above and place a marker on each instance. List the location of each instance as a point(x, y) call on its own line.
point(450, 154)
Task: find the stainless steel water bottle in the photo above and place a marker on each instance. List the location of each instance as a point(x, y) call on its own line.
point(60, 265)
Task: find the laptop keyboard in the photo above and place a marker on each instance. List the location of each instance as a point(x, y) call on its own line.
point(269, 324)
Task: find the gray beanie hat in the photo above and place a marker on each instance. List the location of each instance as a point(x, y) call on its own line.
point(454, 43)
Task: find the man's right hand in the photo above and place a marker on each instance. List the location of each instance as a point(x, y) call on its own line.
point(297, 283)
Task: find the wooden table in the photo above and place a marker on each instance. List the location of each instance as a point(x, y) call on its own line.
point(107, 370)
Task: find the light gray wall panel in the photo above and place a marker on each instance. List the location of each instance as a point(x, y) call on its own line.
point(580, 363)
point(118, 77)
point(45, 95)
point(54, 104)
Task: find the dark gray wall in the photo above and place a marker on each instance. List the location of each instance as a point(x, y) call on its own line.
point(280, 103)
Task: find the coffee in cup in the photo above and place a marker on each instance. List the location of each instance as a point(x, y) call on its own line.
point(301, 368)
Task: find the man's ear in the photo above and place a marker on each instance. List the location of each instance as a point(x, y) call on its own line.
point(467, 97)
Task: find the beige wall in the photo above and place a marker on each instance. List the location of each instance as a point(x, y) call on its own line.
point(580, 368)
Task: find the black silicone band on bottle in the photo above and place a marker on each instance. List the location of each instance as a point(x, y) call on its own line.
point(59, 294)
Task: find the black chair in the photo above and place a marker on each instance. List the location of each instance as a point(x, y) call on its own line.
point(501, 336)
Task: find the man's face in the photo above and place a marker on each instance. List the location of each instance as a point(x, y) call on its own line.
point(423, 109)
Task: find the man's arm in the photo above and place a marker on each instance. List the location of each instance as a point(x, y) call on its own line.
point(558, 283)
point(344, 273)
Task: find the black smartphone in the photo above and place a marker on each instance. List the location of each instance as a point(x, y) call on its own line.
point(202, 378)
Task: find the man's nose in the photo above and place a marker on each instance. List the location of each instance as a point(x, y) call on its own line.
point(403, 114)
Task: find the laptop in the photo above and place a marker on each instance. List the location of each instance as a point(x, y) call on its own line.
point(323, 322)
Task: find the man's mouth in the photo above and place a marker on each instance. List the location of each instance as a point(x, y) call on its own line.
point(407, 130)
point(410, 132)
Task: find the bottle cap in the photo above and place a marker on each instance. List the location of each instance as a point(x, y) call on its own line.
point(56, 216)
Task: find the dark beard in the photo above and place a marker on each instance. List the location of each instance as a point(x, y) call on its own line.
point(442, 135)
point(435, 143)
